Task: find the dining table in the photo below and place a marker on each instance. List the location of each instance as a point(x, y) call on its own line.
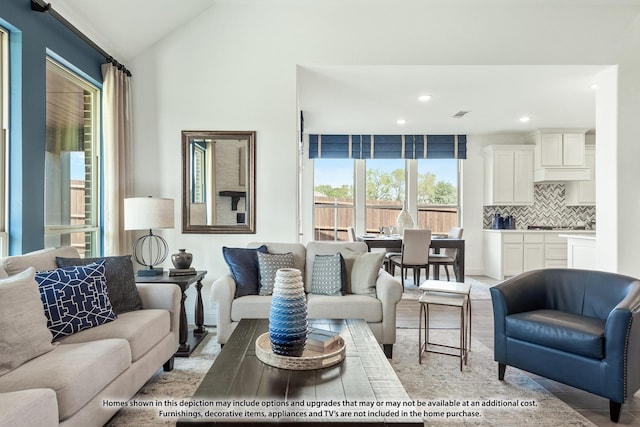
point(392, 242)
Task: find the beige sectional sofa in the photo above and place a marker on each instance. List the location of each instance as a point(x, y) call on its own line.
point(379, 310)
point(69, 384)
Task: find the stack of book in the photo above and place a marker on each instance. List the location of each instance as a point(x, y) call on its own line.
point(182, 271)
point(320, 340)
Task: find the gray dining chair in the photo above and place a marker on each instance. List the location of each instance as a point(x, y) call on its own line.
point(414, 254)
point(448, 255)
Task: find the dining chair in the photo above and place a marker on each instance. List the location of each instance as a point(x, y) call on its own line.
point(352, 234)
point(448, 255)
point(414, 254)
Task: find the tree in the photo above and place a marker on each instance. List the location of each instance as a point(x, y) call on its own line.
point(385, 186)
point(342, 192)
point(444, 194)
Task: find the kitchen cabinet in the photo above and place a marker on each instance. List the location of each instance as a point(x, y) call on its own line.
point(580, 193)
point(509, 253)
point(559, 155)
point(508, 175)
point(533, 255)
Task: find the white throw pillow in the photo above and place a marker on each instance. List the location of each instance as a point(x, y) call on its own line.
point(23, 325)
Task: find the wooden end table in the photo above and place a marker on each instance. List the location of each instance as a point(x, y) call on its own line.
point(188, 340)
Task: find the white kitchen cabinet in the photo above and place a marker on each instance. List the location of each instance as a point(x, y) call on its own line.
point(508, 175)
point(509, 253)
point(579, 193)
point(533, 255)
point(559, 155)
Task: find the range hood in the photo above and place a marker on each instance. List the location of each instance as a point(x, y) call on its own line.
point(561, 174)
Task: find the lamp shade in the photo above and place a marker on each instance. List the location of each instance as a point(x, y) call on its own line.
point(146, 213)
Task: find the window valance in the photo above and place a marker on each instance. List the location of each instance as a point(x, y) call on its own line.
point(388, 146)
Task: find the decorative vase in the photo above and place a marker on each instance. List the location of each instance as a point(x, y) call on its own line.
point(404, 219)
point(182, 260)
point(288, 314)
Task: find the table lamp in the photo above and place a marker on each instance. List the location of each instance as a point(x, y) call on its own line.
point(148, 213)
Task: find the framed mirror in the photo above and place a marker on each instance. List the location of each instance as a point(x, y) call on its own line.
point(218, 182)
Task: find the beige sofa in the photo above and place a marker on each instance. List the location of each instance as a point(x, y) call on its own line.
point(69, 385)
point(378, 311)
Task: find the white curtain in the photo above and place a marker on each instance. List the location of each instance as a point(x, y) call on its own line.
point(117, 151)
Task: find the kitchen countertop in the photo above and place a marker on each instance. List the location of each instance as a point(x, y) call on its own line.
point(558, 230)
point(579, 236)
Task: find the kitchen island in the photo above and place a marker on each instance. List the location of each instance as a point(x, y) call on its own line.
point(581, 250)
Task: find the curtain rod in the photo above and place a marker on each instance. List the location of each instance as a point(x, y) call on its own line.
point(41, 6)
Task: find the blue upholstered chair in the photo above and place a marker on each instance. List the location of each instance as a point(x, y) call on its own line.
point(577, 327)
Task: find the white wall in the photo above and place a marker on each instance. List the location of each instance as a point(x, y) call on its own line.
point(234, 68)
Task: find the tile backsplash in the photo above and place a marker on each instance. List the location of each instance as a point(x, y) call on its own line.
point(548, 209)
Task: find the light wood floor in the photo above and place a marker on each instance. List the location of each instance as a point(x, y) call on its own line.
point(594, 408)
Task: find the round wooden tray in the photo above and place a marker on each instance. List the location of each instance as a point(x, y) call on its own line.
point(308, 361)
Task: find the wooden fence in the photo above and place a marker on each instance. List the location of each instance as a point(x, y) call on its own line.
point(331, 219)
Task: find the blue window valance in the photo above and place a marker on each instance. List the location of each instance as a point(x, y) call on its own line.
point(388, 146)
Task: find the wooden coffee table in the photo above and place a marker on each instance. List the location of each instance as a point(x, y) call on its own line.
point(365, 375)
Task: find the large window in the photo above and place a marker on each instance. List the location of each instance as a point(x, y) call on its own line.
point(386, 188)
point(71, 162)
point(437, 194)
point(429, 188)
point(333, 199)
point(4, 136)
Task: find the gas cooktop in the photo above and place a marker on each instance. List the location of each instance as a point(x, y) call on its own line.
point(553, 227)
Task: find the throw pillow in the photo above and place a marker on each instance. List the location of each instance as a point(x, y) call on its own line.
point(121, 280)
point(243, 263)
point(365, 273)
point(268, 266)
point(328, 275)
point(75, 298)
point(22, 321)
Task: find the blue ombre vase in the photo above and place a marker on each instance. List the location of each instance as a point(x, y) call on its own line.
point(288, 314)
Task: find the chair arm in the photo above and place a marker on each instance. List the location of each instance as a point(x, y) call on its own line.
point(521, 293)
point(389, 292)
point(223, 292)
point(622, 341)
point(165, 296)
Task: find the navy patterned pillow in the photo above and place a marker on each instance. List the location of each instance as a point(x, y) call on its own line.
point(75, 298)
point(269, 264)
point(121, 280)
point(328, 276)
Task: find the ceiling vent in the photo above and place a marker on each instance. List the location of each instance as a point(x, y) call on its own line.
point(460, 114)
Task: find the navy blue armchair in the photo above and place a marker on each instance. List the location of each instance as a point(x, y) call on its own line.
point(577, 327)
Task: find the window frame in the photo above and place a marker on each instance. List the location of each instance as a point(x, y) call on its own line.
point(94, 228)
point(4, 139)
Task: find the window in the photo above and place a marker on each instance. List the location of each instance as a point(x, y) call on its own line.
point(429, 184)
point(4, 136)
point(437, 193)
point(333, 198)
point(386, 188)
point(71, 161)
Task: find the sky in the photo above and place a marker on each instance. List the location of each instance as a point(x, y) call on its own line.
point(338, 172)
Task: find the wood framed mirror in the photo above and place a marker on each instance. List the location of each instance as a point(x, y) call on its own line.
point(218, 182)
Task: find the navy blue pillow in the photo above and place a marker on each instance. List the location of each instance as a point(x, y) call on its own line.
point(75, 298)
point(243, 263)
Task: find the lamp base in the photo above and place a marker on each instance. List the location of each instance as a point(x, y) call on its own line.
point(150, 272)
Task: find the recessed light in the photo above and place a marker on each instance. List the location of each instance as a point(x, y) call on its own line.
point(525, 119)
point(594, 86)
point(424, 98)
point(401, 121)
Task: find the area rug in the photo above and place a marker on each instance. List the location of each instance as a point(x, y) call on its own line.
point(437, 382)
